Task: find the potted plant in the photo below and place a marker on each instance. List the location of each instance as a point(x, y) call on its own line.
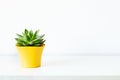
point(30, 46)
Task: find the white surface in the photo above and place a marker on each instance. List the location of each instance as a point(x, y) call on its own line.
point(63, 66)
point(71, 26)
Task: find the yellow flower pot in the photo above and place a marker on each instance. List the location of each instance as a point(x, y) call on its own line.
point(30, 56)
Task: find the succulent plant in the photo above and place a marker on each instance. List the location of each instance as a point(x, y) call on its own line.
point(30, 38)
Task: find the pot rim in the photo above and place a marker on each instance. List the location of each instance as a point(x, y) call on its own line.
point(31, 46)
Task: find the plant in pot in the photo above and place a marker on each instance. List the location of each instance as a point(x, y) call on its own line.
point(30, 46)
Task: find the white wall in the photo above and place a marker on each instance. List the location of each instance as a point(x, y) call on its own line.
point(72, 27)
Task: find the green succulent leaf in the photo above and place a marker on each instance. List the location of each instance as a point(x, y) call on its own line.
point(35, 34)
point(19, 35)
point(26, 31)
point(30, 38)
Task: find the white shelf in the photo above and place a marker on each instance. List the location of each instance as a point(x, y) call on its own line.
point(79, 67)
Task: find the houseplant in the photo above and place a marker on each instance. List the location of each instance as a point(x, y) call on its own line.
point(30, 46)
